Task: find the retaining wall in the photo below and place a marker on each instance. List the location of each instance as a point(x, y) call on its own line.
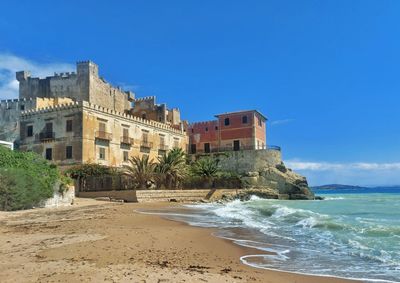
point(245, 161)
point(160, 195)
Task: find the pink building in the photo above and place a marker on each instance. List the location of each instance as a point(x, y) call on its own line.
point(241, 130)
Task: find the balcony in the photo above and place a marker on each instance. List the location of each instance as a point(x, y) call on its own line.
point(146, 144)
point(103, 136)
point(163, 147)
point(47, 136)
point(127, 140)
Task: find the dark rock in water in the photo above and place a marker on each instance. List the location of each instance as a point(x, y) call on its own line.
point(319, 198)
point(261, 193)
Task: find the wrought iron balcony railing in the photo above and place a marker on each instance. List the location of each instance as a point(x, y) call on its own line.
point(216, 149)
point(127, 140)
point(103, 135)
point(146, 144)
point(163, 147)
point(47, 136)
point(274, 147)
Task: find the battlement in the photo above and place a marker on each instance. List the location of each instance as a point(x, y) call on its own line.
point(65, 75)
point(203, 123)
point(147, 98)
point(91, 106)
point(47, 109)
point(84, 62)
point(16, 103)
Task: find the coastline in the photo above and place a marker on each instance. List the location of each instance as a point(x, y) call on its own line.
point(93, 241)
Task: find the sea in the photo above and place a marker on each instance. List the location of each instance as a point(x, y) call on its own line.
point(351, 234)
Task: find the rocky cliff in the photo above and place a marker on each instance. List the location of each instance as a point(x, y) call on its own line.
point(264, 171)
point(278, 180)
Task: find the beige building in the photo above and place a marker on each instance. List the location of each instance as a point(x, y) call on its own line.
point(72, 118)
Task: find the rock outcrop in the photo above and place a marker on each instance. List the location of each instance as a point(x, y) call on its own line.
point(263, 171)
point(279, 179)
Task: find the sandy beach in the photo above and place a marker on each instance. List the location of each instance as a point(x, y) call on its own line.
point(95, 241)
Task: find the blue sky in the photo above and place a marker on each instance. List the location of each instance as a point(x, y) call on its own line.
point(326, 73)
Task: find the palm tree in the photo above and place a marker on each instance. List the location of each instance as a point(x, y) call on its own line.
point(172, 168)
point(205, 167)
point(141, 170)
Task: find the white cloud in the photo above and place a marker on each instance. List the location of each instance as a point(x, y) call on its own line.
point(323, 166)
point(9, 64)
point(357, 173)
point(281, 122)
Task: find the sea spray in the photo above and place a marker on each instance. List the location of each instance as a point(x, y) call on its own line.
point(349, 235)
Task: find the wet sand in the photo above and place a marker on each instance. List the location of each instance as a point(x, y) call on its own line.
point(95, 241)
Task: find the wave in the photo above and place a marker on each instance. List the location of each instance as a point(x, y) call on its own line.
point(348, 233)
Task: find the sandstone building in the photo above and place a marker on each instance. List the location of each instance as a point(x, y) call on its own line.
point(78, 117)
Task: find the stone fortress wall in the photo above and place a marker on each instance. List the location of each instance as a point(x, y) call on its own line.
point(11, 109)
point(146, 107)
point(82, 85)
point(246, 161)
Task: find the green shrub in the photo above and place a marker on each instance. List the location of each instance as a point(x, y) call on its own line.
point(83, 171)
point(35, 166)
point(19, 190)
point(34, 178)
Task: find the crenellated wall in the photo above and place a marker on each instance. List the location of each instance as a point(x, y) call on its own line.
point(84, 138)
point(10, 111)
point(82, 85)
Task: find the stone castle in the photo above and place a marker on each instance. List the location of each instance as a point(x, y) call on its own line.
point(78, 117)
point(74, 118)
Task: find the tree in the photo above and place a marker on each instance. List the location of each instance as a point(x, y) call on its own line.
point(82, 171)
point(172, 168)
point(205, 167)
point(141, 170)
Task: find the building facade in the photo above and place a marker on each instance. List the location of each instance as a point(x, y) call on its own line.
point(234, 131)
point(73, 118)
point(78, 117)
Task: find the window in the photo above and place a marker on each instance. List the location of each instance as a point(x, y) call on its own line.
point(68, 127)
point(29, 131)
point(68, 152)
point(207, 148)
point(192, 131)
point(244, 120)
point(145, 136)
point(144, 116)
point(102, 153)
point(125, 132)
point(226, 122)
point(176, 143)
point(102, 127)
point(216, 128)
point(125, 156)
point(49, 153)
point(206, 129)
point(162, 140)
point(22, 107)
point(49, 127)
point(260, 123)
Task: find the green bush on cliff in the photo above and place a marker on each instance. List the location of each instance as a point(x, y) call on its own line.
point(27, 179)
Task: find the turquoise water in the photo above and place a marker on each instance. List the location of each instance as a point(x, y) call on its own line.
point(346, 235)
